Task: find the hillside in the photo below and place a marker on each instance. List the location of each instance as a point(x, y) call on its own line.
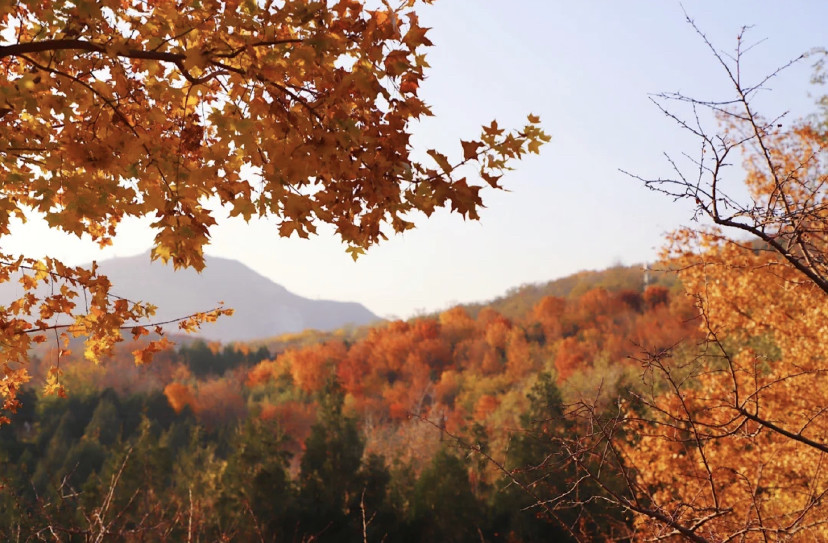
point(518, 301)
point(396, 401)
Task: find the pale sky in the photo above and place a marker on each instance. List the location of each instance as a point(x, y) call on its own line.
point(586, 67)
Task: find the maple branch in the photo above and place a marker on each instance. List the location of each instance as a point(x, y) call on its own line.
point(178, 59)
point(266, 81)
point(89, 87)
point(70, 44)
point(264, 43)
point(214, 311)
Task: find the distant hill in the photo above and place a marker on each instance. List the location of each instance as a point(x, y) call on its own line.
point(262, 307)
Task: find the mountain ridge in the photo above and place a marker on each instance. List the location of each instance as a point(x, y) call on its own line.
point(262, 307)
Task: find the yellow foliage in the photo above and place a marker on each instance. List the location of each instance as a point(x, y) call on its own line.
point(732, 440)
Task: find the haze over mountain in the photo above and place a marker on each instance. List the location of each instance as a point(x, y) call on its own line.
point(262, 308)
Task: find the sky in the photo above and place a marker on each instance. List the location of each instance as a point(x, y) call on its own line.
point(588, 68)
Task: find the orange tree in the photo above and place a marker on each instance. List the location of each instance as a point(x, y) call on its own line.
point(299, 110)
point(726, 440)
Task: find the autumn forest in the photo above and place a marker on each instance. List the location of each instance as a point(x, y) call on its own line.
point(305, 434)
point(683, 399)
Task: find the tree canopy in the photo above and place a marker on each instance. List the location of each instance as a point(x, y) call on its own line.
point(297, 110)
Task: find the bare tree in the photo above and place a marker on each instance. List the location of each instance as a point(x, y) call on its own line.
point(725, 440)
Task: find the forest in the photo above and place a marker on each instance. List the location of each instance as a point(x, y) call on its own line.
point(684, 399)
point(373, 433)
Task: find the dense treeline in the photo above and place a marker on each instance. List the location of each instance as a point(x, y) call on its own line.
point(397, 433)
point(133, 468)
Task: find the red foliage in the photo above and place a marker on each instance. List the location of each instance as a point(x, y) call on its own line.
point(447, 388)
point(655, 295)
point(295, 418)
point(179, 396)
point(311, 367)
point(485, 406)
point(631, 299)
point(548, 313)
point(456, 325)
point(518, 354)
point(261, 373)
point(220, 400)
point(571, 356)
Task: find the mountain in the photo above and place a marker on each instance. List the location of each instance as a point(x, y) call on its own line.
point(262, 307)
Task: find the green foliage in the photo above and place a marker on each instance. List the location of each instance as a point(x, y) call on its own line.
point(539, 462)
point(535, 460)
point(202, 360)
point(256, 495)
point(331, 483)
point(443, 507)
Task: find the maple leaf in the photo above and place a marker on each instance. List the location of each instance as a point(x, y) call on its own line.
point(355, 252)
point(470, 149)
point(441, 160)
point(144, 355)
